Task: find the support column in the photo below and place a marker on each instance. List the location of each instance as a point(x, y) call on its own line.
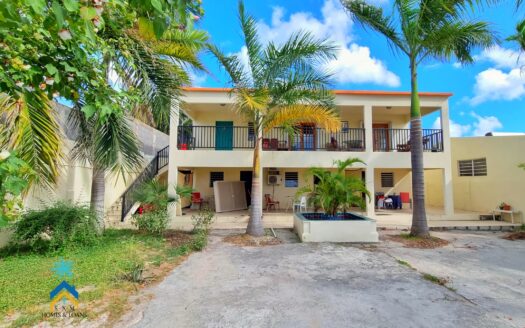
point(448, 192)
point(367, 122)
point(173, 171)
point(370, 186)
point(448, 188)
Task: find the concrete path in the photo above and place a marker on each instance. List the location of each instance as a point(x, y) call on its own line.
point(481, 266)
point(310, 285)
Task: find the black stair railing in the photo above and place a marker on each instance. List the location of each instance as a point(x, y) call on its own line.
point(150, 171)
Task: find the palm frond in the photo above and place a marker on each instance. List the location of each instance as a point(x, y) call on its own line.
point(309, 87)
point(324, 117)
point(29, 126)
point(158, 80)
point(519, 37)
point(110, 144)
point(251, 41)
point(374, 18)
point(232, 65)
point(301, 52)
point(457, 38)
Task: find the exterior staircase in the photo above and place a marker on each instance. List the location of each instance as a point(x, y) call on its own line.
point(125, 206)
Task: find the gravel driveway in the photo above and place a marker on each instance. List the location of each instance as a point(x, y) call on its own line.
point(334, 285)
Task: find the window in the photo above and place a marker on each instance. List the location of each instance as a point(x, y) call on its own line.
point(387, 179)
point(291, 179)
point(472, 167)
point(216, 176)
point(251, 131)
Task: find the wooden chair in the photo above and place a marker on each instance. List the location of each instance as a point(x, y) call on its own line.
point(271, 203)
point(406, 147)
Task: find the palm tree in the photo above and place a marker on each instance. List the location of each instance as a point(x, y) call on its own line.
point(157, 68)
point(335, 190)
point(423, 30)
point(279, 86)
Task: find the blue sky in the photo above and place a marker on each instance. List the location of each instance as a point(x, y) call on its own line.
point(488, 95)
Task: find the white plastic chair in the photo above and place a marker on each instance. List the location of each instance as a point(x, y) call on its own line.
point(302, 204)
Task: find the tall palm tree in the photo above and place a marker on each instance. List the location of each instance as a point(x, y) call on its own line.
point(423, 30)
point(158, 69)
point(279, 86)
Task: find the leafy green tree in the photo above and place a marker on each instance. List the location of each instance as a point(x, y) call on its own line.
point(14, 175)
point(59, 48)
point(424, 30)
point(335, 191)
point(281, 85)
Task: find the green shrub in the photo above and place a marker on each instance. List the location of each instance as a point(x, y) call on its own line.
point(200, 240)
point(55, 227)
point(151, 222)
point(203, 220)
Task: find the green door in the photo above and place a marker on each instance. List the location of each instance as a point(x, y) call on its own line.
point(224, 135)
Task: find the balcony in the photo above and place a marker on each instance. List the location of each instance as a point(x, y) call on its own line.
point(398, 140)
point(302, 138)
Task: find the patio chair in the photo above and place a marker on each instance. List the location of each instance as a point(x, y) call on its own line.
point(197, 199)
point(389, 203)
point(301, 203)
point(406, 147)
point(271, 203)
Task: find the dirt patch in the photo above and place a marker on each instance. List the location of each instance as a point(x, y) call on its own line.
point(417, 242)
point(177, 238)
point(520, 235)
point(247, 240)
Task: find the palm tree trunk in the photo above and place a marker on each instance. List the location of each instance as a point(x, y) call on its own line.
point(255, 225)
point(98, 190)
point(419, 216)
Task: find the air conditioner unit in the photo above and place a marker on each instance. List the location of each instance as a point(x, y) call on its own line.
point(274, 180)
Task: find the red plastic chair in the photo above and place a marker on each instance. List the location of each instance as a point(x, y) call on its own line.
point(196, 199)
point(405, 198)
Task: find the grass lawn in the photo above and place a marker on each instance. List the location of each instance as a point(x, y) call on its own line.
point(98, 274)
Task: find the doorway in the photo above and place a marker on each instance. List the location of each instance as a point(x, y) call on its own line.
point(381, 136)
point(305, 136)
point(223, 135)
point(246, 177)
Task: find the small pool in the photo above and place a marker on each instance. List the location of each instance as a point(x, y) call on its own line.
point(327, 217)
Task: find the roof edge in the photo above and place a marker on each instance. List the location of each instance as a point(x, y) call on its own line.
point(342, 92)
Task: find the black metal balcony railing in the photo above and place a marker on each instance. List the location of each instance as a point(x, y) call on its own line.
point(301, 138)
point(386, 140)
point(215, 137)
point(312, 138)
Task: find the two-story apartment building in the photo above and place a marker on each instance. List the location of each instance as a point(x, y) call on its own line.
point(218, 145)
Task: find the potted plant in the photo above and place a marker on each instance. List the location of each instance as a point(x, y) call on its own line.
point(504, 206)
point(335, 191)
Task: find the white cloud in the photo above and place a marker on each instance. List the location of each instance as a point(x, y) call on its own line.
point(502, 57)
point(479, 127)
point(197, 79)
point(456, 129)
point(494, 84)
point(484, 124)
point(354, 63)
point(504, 81)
